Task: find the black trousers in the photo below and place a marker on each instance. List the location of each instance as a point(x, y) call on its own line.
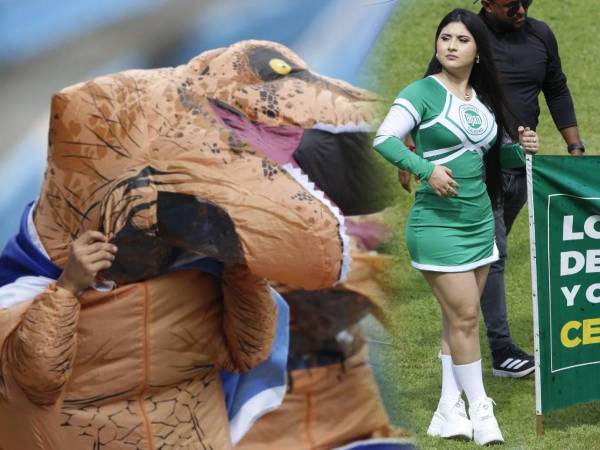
point(493, 300)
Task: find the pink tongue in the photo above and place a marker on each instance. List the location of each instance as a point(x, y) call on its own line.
point(370, 234)
point(278, 143)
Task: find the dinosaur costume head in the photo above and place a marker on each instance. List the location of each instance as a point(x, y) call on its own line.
point(202, 160)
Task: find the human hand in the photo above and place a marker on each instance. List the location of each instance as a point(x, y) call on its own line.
point(442, 183)
point(574, 152)
point(404, 179)
point(528, 140)
point(89, 254)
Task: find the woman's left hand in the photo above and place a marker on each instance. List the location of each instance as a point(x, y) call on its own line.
point(529, 140)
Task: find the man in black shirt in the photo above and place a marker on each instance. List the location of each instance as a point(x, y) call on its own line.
point(526, 56)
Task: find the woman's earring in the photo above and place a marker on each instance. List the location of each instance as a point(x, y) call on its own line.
point(477, 59)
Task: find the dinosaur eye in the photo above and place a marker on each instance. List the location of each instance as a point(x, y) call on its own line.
point(280, 66)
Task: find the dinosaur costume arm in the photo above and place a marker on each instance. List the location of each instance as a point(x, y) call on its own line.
point(249, 321)
point(39, 351)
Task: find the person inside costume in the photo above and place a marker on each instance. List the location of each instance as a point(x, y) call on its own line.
point(332, 398)
point(456, 120)
point(196, 184)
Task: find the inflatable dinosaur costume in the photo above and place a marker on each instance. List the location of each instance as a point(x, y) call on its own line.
point(194, 173)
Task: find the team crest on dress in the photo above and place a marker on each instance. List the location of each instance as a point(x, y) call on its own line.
point(472, 120)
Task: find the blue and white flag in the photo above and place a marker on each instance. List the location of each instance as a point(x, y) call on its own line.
point(380, 444)
point(251, 395)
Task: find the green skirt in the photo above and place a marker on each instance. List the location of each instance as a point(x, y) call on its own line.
point(454, 234)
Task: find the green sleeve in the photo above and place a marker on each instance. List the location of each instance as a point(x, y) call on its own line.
point(394, 150)
point(512, 156)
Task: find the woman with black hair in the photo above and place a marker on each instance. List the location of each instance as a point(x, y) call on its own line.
point(455, 116)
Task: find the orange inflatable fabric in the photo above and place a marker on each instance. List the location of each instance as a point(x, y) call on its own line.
point(334, 399)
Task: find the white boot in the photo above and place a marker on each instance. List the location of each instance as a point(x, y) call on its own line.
point(450, 421)
point(485, 426)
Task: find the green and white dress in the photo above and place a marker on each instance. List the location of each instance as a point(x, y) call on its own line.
point(453, 234)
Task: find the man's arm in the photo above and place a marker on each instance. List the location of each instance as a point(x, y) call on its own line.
point(571, 137)
point(558, 97)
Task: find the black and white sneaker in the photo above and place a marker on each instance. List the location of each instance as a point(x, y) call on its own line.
point(512, 362)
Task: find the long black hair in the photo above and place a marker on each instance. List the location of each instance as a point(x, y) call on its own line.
point(485, 81)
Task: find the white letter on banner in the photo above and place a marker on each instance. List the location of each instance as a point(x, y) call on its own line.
point(570, 295)
point(568, 234)
point(564, 262)
point(589, 227)
point(589, 293)
point(592, 261)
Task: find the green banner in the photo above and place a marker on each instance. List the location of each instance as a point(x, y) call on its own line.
point(564, 219)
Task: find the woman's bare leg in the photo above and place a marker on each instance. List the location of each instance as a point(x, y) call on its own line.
point(481, 274)
point(458, 295)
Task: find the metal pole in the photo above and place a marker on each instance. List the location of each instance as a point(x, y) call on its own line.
point(539, 425)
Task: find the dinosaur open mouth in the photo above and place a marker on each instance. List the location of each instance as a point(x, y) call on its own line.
point(337, 159)
point(334, 167)
point(335, 164)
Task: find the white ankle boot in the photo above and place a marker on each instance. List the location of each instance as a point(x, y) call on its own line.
point(450, 421)
point(485, 426)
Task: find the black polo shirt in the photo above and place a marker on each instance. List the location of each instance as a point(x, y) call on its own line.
point(528, 63)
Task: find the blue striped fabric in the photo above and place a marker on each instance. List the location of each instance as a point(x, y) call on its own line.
point(21, 258)
point(380, 444)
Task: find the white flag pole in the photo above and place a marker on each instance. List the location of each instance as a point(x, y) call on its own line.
point(539, 427)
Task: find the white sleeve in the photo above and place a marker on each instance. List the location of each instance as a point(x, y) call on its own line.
point(398, 123)
point(22, 289)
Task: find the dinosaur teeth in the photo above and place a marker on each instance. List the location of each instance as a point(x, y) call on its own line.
point(362, 127)
point(301, 178)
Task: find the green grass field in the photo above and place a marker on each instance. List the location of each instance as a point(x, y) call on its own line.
point(412, 368)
